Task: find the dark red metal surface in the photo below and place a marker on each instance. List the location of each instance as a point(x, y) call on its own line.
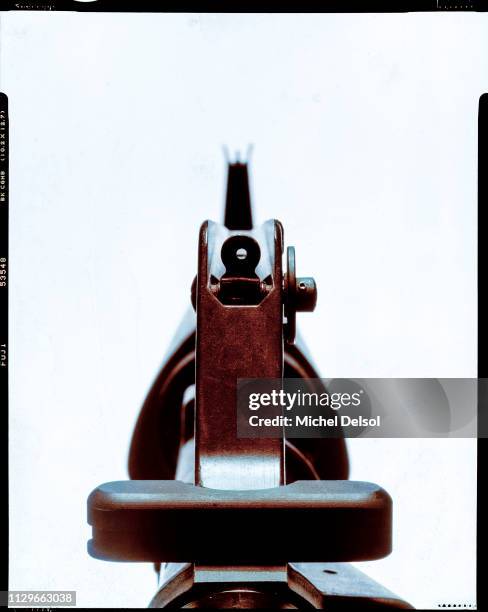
point(231, 530)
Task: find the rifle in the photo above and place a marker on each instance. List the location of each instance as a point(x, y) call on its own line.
point(226, 515)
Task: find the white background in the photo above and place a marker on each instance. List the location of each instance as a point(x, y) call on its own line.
point(365, 141)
